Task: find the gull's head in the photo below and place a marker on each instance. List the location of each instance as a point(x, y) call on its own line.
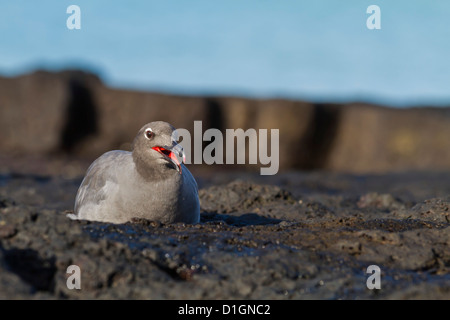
point(158, 142)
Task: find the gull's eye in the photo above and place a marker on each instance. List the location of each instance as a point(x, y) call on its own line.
point(149, 133)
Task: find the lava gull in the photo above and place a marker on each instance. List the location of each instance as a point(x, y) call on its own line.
point(151, 182)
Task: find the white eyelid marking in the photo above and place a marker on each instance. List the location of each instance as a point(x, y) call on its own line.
point(147, 131)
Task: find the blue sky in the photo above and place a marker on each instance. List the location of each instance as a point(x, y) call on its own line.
point(314, 50)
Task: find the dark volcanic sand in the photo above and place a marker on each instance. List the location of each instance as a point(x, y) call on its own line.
point(292, 236)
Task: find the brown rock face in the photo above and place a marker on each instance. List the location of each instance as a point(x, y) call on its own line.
point(72, 112)
point(375, 139)
point(44, 112)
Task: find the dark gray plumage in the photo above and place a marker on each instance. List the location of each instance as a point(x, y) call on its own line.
point(150, 182)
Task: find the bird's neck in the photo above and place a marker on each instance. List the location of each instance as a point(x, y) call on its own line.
point(150, 169)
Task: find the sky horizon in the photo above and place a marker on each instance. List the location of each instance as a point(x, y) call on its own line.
point(321, 51)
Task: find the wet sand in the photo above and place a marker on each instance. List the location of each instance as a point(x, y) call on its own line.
point(296, 235)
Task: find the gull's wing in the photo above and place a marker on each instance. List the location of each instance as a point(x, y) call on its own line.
point(99, 183)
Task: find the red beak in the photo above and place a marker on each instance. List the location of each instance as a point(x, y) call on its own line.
point(172, 157)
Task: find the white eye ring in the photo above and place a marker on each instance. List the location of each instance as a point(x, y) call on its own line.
point(148, 133)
